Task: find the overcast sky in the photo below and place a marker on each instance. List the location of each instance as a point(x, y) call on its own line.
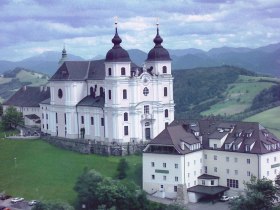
point(30, 27)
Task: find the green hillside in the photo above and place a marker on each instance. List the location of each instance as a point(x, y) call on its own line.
point(15, 79)
point(269, 119)
point(239, 95)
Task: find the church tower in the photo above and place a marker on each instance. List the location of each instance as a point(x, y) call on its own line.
point(63, 56)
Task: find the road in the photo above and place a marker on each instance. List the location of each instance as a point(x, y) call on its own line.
point(23, 205)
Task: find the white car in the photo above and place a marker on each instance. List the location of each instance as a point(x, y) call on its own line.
point(16, 200)
point(224, 198)
point(32, 202)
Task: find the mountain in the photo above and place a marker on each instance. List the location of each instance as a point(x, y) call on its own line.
point(137, 56)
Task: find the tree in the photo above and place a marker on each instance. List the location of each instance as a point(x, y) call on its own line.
point(259, 195)
point(122, 168)
point(11, 118)
point(51, 206)
point(1, 109)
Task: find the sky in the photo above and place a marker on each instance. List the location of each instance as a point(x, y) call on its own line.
point(86, 27)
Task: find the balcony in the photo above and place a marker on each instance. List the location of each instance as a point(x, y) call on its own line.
point(147, 117)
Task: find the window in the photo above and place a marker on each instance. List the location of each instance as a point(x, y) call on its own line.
point(164, 165)
point(60, 94)
point(42, 115)
point(124, 94)
point(166, 125)
point(176, 178)
point(212, 182)
point(215, 169)
point(102, 121)
point(126, 130)
point(153, 164)
point(188, 175)
point(227, 171)
point(153, 176)
point(232, 183)
point(194, 183)
point(215, 157)
point(91, 91)
point(176, 165)
point(205, 156)
point(146, 109)
point(56, 120)
point(267, 160)
point(175, 188)
point(236, 172)
point(194, 162)
point(247, 148)
point(165, 91)
point(164, 178)
point(227, 159)
point(205, 169)
point(122, 71)
point(47, 126)
point(164, 69)
point(215, 146)
point(109, 71)
point(147, 124)
point(166, 113)
point(203, 182)
point(248, 161)
point(82, 120)
point(65, 118)
point(235, 160)
point(145, 91)
point(248, 173)
point(161, 186)
point(109, 94)
point(125, 116)
point(91, 120)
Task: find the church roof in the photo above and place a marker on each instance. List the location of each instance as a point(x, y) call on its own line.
point(80, 70)
point(98, 101)
point(28, 96)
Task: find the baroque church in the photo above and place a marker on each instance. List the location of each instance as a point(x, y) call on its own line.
point(110, 100)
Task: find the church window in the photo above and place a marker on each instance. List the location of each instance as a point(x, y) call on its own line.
point(47, 126)
point(125, 130)
point(166, 113)
point(42, 115)
point(60, 93)
point(146, 109)
point(65, 118)
point(123, 71)
point(165, 91)
point(175, 189)
point(82, 120)
point(125, 116)
point(91, 120)
point(146, 91)
point(164, 69)
point(109, 71)
point(102, 121)
point(110, 94)
point(56, 119)
point(47, 116)
point(124, 94)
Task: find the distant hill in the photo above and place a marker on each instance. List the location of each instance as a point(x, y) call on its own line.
point(12, 80)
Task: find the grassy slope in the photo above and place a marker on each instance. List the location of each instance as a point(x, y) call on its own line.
point(45, 172)
point(239, 95)
point(269, 119)
point(33, 77)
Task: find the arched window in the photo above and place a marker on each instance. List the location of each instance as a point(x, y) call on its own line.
point(122, 71)
point(91, 91)
point(124, 94)
point(125, 116)
point(166, 113)
point(164, 69)
point(109, 71)
point(60, 94)
point(145, 91)
point(109, 94)
point(165, 91)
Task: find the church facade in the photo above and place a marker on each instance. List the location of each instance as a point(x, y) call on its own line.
point(111, 100)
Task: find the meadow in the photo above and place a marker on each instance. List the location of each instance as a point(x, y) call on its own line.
point(35, 169)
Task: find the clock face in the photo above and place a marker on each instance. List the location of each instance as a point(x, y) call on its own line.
point(146, 79)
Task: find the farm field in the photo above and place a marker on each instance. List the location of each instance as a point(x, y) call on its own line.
point(270, 119)
point(44, 172)
point(239, 95)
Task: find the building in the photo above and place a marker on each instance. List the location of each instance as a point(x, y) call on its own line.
point(111, 100)
point(208, 158)
point(26, 100)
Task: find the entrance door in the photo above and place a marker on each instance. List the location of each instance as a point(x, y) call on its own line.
point(147, 133)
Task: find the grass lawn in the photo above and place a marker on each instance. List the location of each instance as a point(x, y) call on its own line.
point(44, 172)
point(269, 119)
point(239, 95)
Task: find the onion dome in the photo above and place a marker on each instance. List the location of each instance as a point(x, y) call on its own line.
point(158, 53)
point(117, 53)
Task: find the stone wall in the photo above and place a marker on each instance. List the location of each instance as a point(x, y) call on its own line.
point(87, 146)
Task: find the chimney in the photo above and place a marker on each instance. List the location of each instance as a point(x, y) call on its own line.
point(182, 145)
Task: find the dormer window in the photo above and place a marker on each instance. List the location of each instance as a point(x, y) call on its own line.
point(164, 69)
point(227, 146)
point(109, 71)
point(247, 148)
point(234, 147)
point(123, 71)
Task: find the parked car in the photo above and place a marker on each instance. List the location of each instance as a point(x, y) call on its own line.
point(32, 203)
point(5, 197)
point(233, 197)
point(16, 200)
point(224, 198)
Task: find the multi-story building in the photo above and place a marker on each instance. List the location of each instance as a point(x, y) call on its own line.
point(111, 100)
point(209, 158)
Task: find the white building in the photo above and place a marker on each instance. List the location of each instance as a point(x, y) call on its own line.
point(111, 100)
point(209, 158)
